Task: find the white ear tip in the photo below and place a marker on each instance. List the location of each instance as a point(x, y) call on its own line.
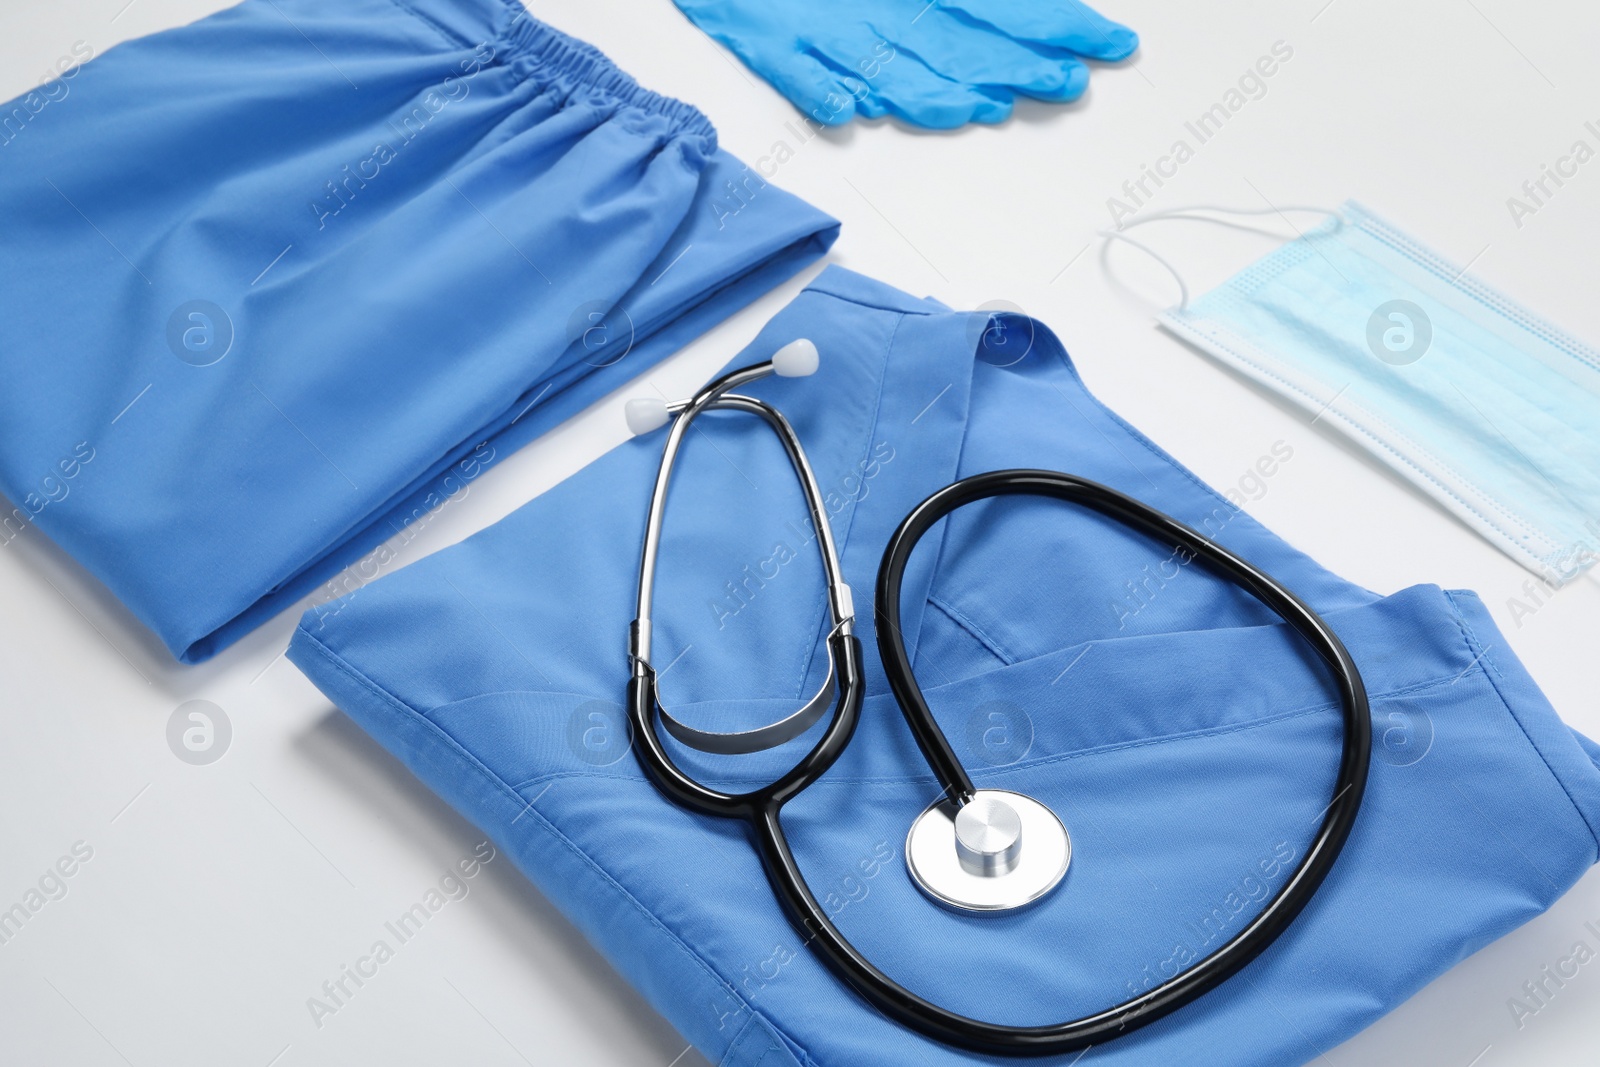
point(796, 359)
point(646, 414)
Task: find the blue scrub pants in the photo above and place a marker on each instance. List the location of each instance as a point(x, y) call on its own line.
point(281, 283)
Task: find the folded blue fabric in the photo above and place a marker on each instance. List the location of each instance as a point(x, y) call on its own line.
point(281, 280)
point(1185, 737)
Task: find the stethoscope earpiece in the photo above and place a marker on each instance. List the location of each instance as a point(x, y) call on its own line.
point(646, 415)
point(797, 359)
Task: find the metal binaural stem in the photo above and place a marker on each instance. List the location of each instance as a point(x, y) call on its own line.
point(717, 395)
point(640, 637)
point(845, 679)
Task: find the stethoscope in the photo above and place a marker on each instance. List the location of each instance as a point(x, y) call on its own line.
point(974, 850)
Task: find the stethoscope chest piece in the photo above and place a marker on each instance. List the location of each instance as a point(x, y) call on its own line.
point(998, 851)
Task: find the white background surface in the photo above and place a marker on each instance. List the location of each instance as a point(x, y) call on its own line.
point(219, 898)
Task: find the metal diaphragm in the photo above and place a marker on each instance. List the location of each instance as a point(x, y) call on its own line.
point(1001, 850)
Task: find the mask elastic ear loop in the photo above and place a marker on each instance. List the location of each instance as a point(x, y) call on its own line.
point(1187, 212)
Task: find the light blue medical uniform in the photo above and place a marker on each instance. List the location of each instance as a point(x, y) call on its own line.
point(279, 283)
point(1185, 739)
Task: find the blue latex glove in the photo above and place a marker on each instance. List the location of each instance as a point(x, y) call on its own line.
point(938, 64)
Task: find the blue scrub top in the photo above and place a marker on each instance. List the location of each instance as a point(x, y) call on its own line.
point(1185, 737)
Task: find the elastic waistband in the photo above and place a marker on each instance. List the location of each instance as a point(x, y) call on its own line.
point(551, 58)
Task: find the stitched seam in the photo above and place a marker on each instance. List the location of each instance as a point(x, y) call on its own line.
point(1471, 287)
point(734, 1045)
point(1167, 461)
point(839, 782)
point(972, 629)
point(1128, 746)
point(556, 776)
point(945, 535)
point(1212, 333)
point(1473, 643)
point(1115, 746)
point(850, 523)
point(877, 415)
point(831, 295)
point(1232, 344)
point(498, 783)
point(508, 692)
point(437, 27)
point(1226, 728)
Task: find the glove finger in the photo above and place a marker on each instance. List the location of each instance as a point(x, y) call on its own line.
point(767, 48)
point(979, 56)
point(1075, 79)
point(812, 86)
point(1059, 23)
point(903, 86)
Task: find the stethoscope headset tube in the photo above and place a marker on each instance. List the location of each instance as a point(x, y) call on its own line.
point(759, 806)
point(762, 807)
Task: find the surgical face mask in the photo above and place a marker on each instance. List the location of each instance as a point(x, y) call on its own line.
point(1482, 405)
